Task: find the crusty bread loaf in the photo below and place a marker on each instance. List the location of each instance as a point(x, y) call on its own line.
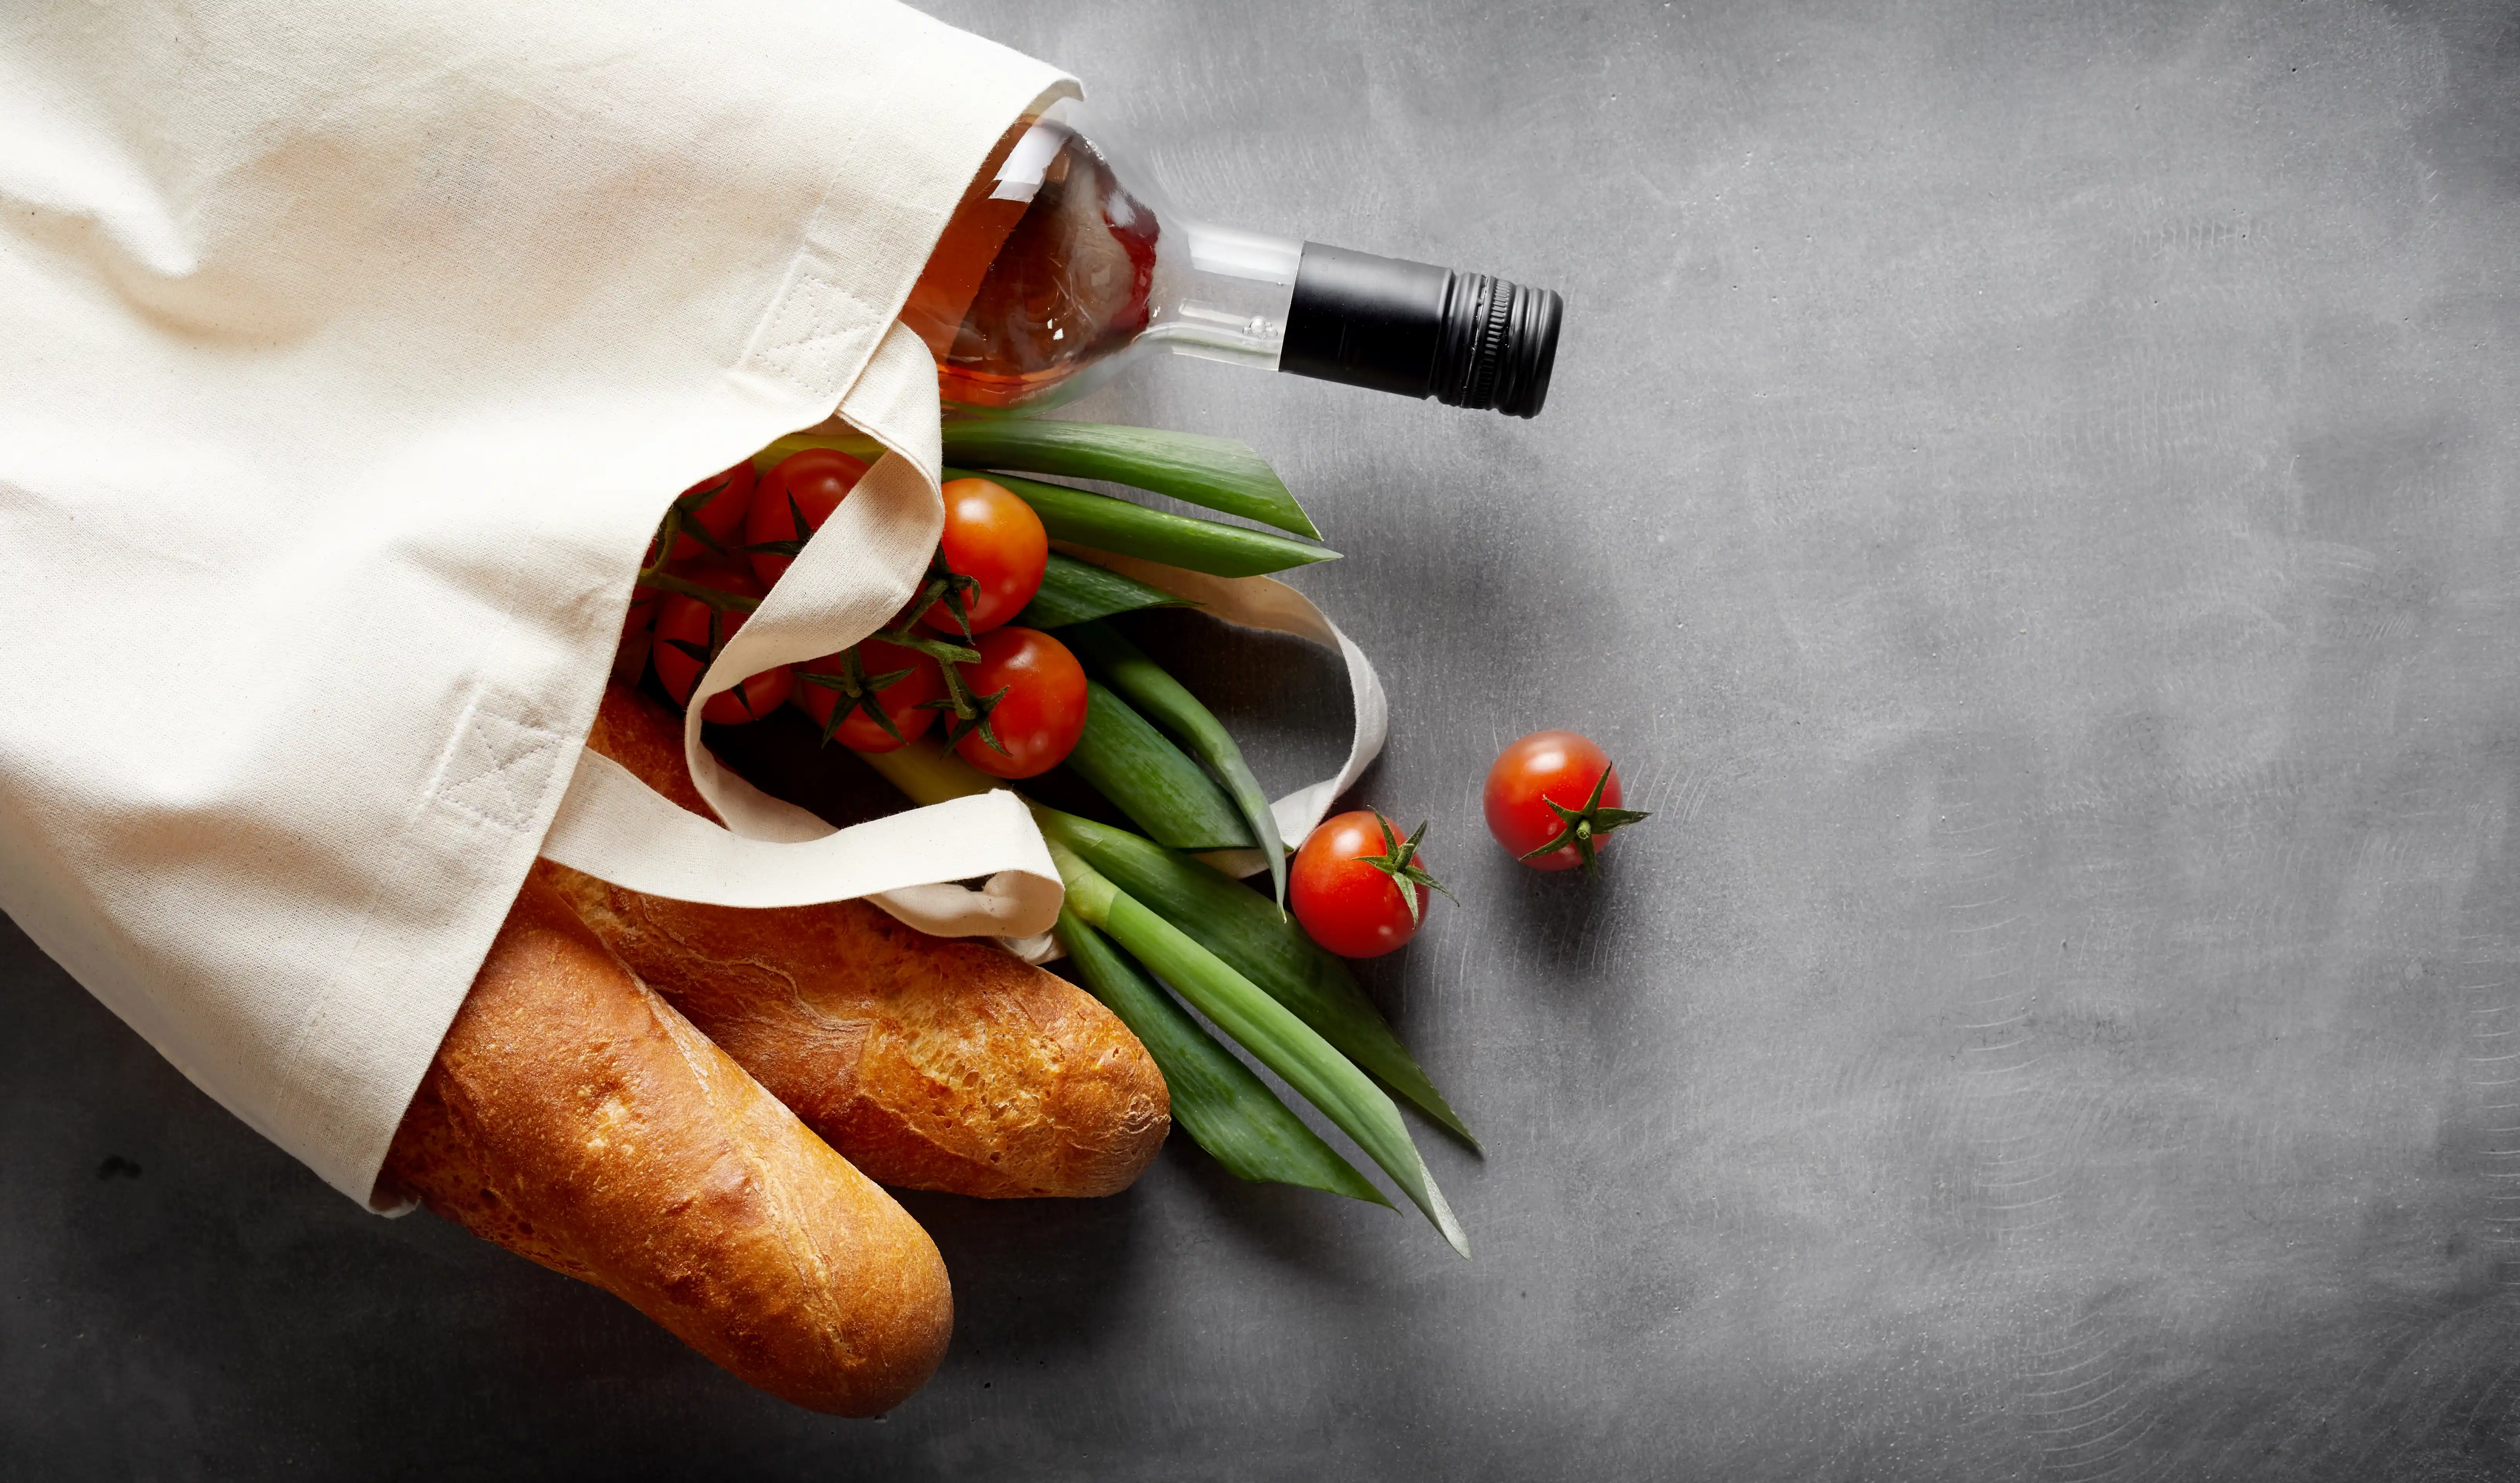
point(573, 1117)
point(930, 1064)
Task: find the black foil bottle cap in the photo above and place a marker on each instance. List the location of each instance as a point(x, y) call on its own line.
point(1467, 340)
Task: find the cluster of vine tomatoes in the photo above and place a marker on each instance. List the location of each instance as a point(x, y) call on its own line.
point(1012, 698)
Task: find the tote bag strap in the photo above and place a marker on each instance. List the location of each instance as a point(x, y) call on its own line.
point(1270, 606)
point(855, 573)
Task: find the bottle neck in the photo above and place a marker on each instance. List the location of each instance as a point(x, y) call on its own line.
point(1226, 296)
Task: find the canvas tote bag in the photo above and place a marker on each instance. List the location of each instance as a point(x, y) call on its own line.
point(353, 359)
point(354, 352)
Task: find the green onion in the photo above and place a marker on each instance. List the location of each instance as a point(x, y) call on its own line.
point(1102, 521)
point(1236, 924)
point(1128, 670)
point(1107, 523)
point(1074, 591)
point(856, 445)
point(1225, 917)
point(1214, 472)
point(1227, 1109)
point(927, 774)
point(1262, 1026)
point(1259, 1023)
point(1217, 473)
point(1129, 762)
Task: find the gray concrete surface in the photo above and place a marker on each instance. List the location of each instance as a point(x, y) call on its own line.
point(2029, 496)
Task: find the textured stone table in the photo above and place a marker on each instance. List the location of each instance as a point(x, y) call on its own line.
point(2031, 496)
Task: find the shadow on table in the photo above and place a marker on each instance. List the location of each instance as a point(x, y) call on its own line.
point(1031, 1277)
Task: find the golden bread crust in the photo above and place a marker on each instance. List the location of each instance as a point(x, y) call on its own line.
point(930, 1062)
point(574, 1117)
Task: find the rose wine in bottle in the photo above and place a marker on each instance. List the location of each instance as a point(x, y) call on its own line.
point(1061, 266)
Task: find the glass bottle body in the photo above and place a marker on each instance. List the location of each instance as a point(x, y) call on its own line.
point(1057, 270)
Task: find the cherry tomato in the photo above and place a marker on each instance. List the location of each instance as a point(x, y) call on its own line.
point(1345, 885)
point(996, 540)
point(690, 633)
point(717, 505)
point(901, 701)
point(1561, 767)
point(1040, 715)
point(811, 483)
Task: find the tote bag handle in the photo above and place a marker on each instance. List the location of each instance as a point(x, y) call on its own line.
point(856, 571)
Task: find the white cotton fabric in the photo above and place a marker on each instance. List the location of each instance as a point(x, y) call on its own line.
point(352, 352)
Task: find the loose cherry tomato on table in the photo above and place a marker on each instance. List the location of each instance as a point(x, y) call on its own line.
point(997, 548)
point(717, 505)
point(1552, 799)
point(1030, 692)
point(794, 498)
point(1357, 886)
point(689, 634)
point(885, 690)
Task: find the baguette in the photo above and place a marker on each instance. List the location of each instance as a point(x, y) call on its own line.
point(930, 1062)
point(574, 1118)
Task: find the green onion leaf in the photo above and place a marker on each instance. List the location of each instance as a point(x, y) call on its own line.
point(1240, 927)
point(1107, 523)
point(1217, 1100)
point(1227, 916)
point(1201, 470)
point(1129, 762)
point(1269, 1030)
point(1217, 473)
point(1074, 592)
point(927, 775)
point(1262, 1026)
point(856, 445)
point(1128, 670)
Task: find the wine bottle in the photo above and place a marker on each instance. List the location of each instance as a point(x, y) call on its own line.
point(1061, 266)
